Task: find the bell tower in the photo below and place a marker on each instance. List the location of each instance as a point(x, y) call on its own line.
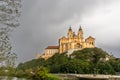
point(70, 33)
point(80, 35)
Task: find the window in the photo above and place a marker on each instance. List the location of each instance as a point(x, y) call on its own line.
point(92, 43)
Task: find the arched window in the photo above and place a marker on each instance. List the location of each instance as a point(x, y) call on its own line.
point(92, 43)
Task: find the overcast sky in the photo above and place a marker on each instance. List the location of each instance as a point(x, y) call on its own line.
point(43, 22)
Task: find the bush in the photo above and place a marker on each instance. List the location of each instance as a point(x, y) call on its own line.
point(52, 77)
point(41, 73)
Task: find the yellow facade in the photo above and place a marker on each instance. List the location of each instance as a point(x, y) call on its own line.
point(70, 43)
point(50, 51)
point(38, 55)
point(73, 41)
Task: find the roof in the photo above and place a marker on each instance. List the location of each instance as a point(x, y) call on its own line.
point(52, 47)
point(63, 37)
point(80, 29)
point(90, 37)
point(70, 29)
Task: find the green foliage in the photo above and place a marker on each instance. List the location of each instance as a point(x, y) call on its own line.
point(41, 73)
point(75, 66)
point(90, 54)
point(86, 61)
point(54, 63)
point(105, 68)
point(31, 64)
point(115, 64)
point(7, 71)
point(21, 74)
point(52, 77)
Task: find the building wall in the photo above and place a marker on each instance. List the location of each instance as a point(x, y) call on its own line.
point(49, 53)
point(73, 41)
point(38, 55)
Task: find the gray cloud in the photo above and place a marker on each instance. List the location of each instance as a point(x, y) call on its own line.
point(43, 22)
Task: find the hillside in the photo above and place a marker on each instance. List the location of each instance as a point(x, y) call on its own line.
point(86, 61)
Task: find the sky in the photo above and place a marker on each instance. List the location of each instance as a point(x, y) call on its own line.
point(43, 22)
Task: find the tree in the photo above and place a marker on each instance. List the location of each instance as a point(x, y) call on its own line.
point(75, 66)
point(115, 64)
point(41, 73)
point(9, 19)
point(10, 60)
point(86, 61)
point(105, 68)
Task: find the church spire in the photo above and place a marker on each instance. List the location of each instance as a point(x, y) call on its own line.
point(70, 29)
point(80, 33)
point(70, 33)
point(80, 29)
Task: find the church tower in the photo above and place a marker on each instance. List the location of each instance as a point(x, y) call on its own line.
point(75, 42)
point(70, 33)
point(81, 34)
point(69, 44)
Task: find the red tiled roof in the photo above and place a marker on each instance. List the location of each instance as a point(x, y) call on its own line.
point(52, 47)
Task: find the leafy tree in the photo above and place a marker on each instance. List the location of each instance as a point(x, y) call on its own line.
point(21, 73)
point(10, 61)
point(115, 64)
point(105, 68)
point(41, 73)
point(90, 54)
point(54, 63)
point(9, 19)
point(31, 64)
point(75, 66)
point(89, 60)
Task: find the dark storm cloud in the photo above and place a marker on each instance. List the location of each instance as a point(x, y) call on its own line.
point(43, 22)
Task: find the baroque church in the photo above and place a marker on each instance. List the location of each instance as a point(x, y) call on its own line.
point(71, 42)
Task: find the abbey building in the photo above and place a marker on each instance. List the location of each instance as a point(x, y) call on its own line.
point(71, 42)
